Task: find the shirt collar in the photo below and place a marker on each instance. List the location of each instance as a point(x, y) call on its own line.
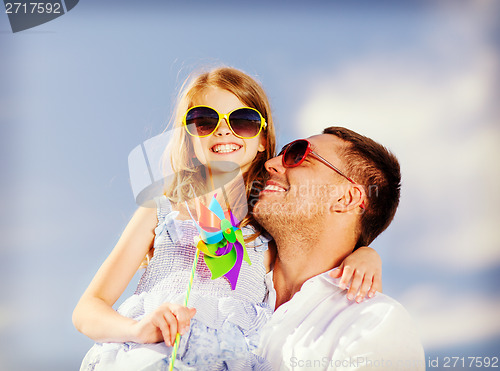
point(271, 296)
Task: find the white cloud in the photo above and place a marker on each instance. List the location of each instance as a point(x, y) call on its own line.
point(444, 321)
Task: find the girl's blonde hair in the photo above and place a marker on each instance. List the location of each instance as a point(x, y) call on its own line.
point(188, 179)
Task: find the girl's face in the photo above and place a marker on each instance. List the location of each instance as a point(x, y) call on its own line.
point(222, 150)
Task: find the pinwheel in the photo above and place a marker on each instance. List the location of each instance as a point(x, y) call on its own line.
point(221, 241)
point(223, 247)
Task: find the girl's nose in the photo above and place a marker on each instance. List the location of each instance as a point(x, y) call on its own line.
point(223, 128)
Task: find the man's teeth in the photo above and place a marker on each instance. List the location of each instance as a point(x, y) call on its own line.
point(271, 187)
point(225, 148)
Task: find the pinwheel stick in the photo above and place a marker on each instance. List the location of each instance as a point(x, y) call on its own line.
point(188, 292)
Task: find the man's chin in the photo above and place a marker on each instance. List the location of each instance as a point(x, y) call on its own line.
point(263, 204)
point(259, 211)
point(266, 211)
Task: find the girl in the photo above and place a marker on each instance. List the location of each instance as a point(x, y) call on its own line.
point(226, 124)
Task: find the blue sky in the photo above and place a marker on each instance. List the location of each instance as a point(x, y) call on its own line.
point(79, 93)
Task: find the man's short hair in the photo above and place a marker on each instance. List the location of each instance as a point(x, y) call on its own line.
point(377, 169)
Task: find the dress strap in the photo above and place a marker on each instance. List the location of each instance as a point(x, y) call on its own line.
point(260, 244)
point(163, 207)
point(166, 219)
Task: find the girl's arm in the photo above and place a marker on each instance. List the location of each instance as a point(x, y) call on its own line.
point(364, 267)
point(94, 315)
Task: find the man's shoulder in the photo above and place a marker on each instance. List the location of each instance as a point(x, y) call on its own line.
point(384, 302)
point(384, 311)
point(381, 306)
point(319, 323)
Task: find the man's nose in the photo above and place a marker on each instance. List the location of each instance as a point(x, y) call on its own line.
point(223, 128)
point(275, 165)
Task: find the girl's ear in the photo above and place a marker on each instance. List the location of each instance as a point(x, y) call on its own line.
point(262, 144)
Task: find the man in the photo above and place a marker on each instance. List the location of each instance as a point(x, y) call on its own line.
point(325, 197)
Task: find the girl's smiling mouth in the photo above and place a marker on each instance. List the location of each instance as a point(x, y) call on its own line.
point(223, 148)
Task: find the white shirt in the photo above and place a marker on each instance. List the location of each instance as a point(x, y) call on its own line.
point(319, 329)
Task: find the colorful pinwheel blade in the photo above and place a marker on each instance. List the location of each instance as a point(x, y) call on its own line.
point(228, 230)
point(220, 265)
point(207, 219)
point(216, 208)
point(239, 237)
point(210, 250)
point(211, 237)
point(234, 221)
point(234, 272)
point(223, 250)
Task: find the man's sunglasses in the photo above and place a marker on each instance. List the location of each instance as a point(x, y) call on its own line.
point(296, 152)
point(202, 121)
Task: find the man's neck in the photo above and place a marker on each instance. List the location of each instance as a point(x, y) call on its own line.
point(300, 259)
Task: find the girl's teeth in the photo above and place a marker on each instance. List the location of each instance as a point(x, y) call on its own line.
point(225, 148)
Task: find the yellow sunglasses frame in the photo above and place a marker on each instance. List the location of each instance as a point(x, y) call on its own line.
point(225, 116)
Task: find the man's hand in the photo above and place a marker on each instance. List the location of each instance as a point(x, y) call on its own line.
point(363, 269)
point(163, 324)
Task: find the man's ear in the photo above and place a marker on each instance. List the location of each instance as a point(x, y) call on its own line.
point(351, 199)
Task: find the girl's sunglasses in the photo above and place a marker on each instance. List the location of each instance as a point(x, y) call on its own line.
point(202, 121)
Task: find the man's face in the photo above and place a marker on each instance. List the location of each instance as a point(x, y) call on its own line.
point(300, 196)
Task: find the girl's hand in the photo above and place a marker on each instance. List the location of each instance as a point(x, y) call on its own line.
point(364, 268)
point(163, 324)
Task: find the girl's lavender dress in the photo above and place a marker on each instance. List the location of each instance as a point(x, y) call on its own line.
point(225, 329)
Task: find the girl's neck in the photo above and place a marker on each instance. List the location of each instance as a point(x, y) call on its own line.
point(229, 190)
point(217, 179)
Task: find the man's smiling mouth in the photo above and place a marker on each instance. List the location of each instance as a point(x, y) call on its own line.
point(274, 187)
